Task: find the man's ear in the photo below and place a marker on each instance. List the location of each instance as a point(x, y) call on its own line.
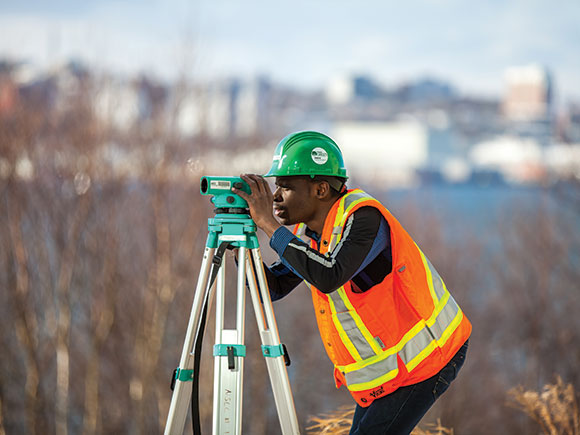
point(322, 189)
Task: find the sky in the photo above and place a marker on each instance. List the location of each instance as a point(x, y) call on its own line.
point(304, 43)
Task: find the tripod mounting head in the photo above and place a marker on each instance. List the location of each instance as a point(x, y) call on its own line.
point(220, 188)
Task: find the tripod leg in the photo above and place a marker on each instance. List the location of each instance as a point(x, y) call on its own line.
point(273, 350)
point(182, 393)
point(229, 353)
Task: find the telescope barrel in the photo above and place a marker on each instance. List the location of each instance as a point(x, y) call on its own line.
point(221, 190)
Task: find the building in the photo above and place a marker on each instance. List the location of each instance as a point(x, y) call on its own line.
point(345, 89)
point(387, 153)
point(528, 95)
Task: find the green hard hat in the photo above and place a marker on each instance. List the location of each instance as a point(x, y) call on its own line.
point(307, 153)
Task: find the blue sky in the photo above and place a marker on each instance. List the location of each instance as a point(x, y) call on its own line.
point(304, 43)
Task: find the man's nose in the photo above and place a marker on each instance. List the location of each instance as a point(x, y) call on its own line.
point(277, 195)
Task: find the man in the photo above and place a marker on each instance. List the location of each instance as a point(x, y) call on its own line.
point(395, 335)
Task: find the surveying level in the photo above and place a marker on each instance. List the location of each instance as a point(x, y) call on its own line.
point(232, 227)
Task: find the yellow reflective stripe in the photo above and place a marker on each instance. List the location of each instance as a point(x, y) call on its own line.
point(340, 210)
point(451, 328)
point(342, 333)
point(354, 204)
point(359, 323)
point(342, 214)
point(452, 325)
point(299, 229)
point(438, 307)
point(429, 276)
point(421, 356)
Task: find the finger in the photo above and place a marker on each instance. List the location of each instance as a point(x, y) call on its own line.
point(267, 188)
point(240, 192)
point(248, 181)
point(254, 182)
point(263, 184)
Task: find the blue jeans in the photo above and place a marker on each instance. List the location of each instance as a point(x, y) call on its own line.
point(400, 411)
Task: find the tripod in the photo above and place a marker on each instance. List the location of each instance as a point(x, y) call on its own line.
point(230, 228)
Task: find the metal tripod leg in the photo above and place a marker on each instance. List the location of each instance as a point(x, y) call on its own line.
point(229, 351)
point(182, 393)
point(273, 350)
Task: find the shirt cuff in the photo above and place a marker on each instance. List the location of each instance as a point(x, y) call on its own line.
point(280, 239)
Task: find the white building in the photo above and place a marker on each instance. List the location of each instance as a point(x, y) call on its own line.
point(383, 152)
point(563, 160)
point(518, 160)
point(528, 95)
point(340, 90)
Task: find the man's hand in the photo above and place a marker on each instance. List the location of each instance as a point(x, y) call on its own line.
point(260, 202)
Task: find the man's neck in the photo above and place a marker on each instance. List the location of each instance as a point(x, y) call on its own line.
point(317, 223)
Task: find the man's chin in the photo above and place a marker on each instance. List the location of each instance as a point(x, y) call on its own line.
point(286, 221)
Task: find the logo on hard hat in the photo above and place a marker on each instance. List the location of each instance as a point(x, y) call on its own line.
point(319, 156)
point(280, 161)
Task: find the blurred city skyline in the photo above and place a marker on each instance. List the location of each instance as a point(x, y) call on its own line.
point(304, 44)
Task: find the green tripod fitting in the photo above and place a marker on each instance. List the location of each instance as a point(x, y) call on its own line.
point(237, 229)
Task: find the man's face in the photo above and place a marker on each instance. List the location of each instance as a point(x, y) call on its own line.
point(294, 200)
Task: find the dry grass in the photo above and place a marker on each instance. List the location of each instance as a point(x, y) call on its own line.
point(338, 423)
point(555, 409)
point(335, 423)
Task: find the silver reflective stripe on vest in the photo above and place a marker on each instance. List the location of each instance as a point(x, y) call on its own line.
point(373, 371)
point(350, 327)
point(416, 345)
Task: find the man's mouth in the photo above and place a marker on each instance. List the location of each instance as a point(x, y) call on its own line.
point(278, 211)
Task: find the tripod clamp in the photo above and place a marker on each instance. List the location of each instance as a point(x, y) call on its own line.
point(276, 351)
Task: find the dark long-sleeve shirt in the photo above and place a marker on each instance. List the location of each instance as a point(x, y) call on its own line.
point(363, 255)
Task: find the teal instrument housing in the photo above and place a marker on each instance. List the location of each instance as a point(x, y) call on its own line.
point(221, 190)
point(237, 229)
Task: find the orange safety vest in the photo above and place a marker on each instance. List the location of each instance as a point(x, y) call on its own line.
point(399, 332)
